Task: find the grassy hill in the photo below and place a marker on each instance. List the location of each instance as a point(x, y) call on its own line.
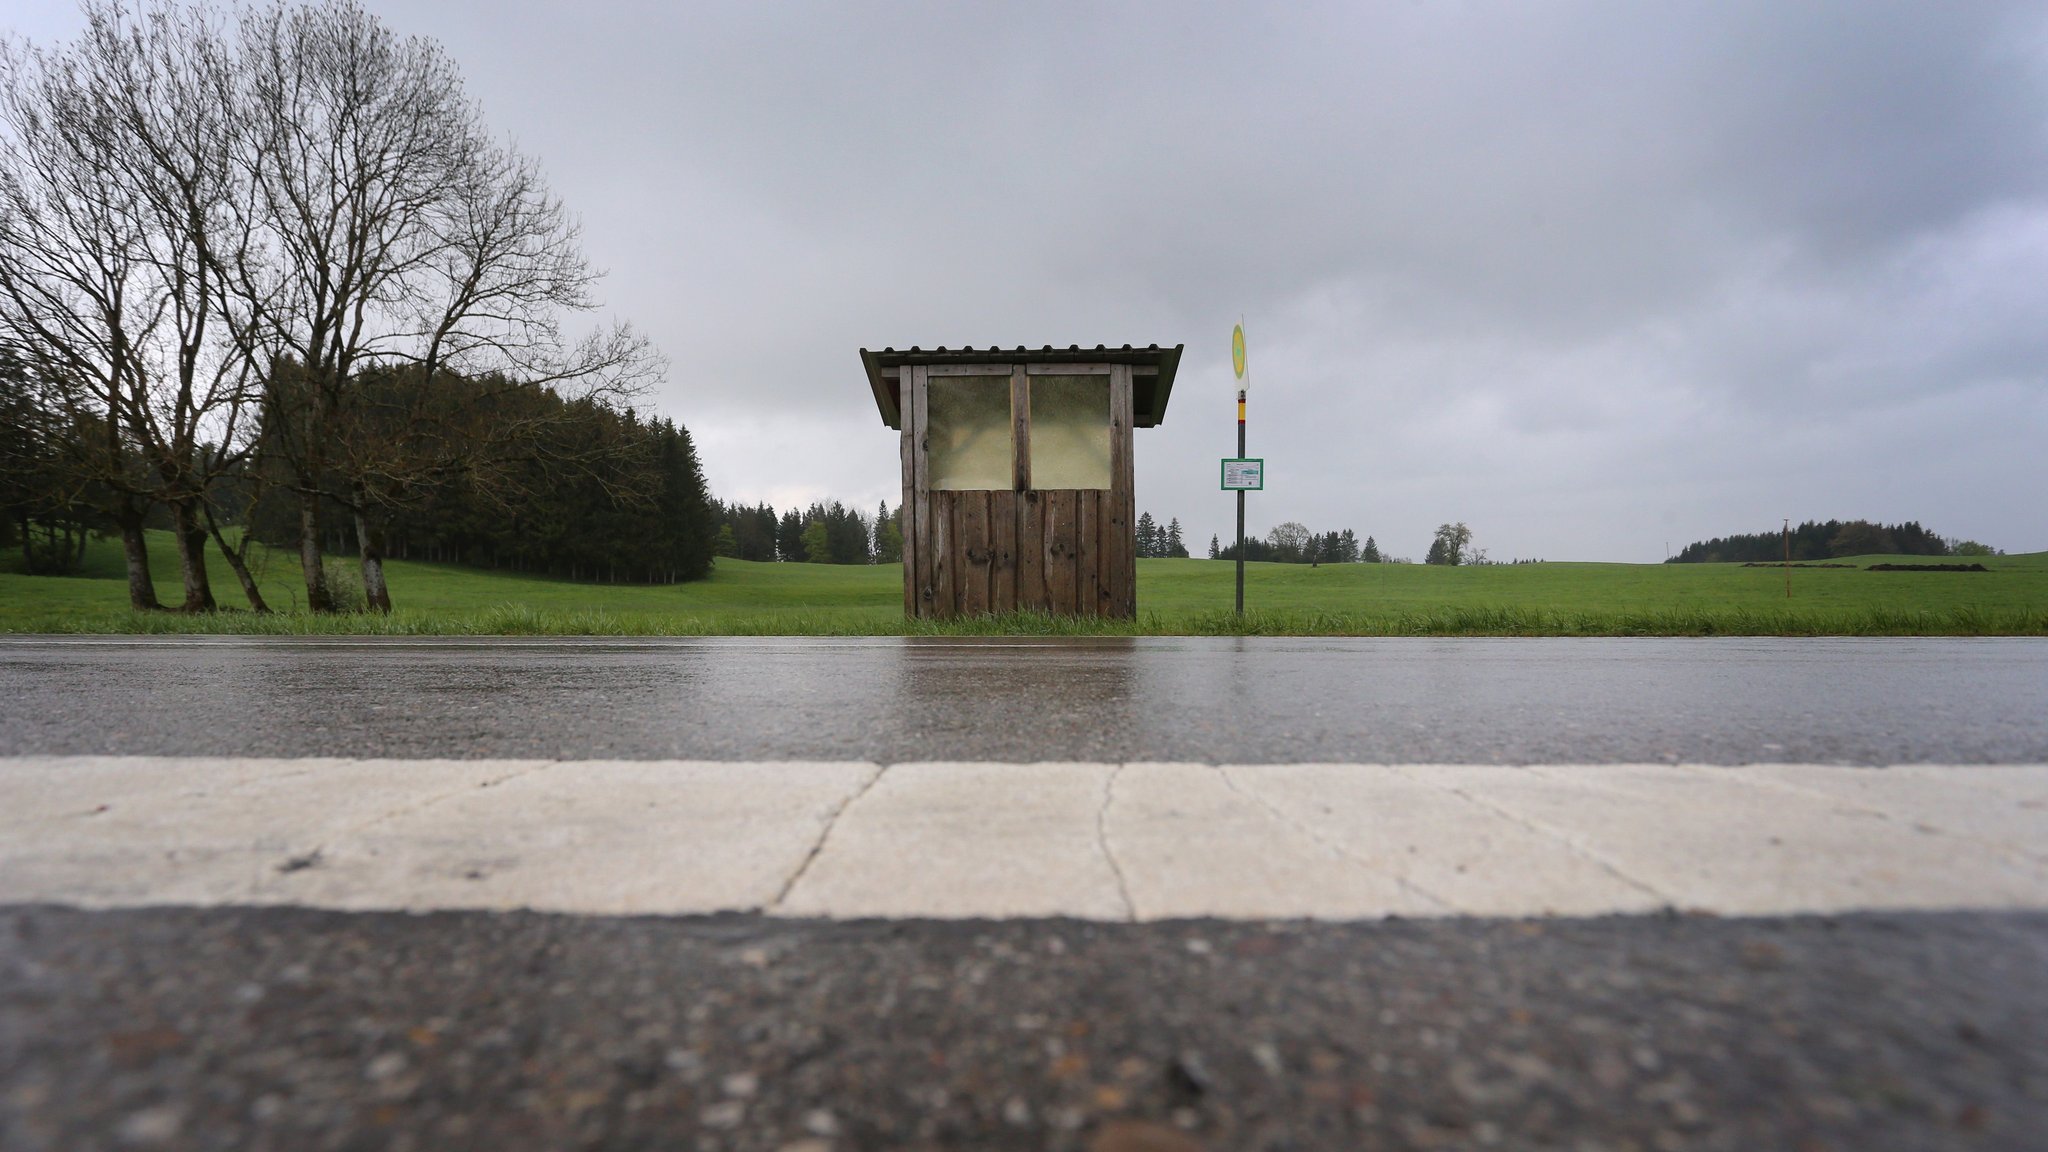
point(1174, 597)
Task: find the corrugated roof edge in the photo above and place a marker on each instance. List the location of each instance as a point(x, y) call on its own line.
point(1150, 402)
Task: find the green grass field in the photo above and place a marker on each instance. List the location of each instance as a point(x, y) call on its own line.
point(1175, 597)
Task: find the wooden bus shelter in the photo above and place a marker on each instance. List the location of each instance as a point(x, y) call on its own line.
point(1017, 489)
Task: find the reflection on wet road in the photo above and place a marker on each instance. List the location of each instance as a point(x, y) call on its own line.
point(890, 700)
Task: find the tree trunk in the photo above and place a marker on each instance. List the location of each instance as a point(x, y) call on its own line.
point(370, 546)
point(191, 540)
point(141, 593)
point(318, 598)
point(239, 562)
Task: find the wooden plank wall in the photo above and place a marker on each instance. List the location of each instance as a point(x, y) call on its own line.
point(921, 535)
point(1031, 567)
point(1064, 551)
point(910, 407)
point(1119, 515)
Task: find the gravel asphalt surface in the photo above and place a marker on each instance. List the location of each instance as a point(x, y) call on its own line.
point(301, 1030)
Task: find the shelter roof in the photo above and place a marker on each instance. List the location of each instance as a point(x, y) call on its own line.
point(1151, 379)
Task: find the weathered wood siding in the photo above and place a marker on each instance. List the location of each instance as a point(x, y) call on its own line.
point(1065, 551)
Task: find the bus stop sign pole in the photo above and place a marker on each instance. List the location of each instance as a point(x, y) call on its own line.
point(1237, 365)
point(1240, 506)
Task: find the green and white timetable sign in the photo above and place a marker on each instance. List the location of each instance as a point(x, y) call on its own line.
point(1243, 475)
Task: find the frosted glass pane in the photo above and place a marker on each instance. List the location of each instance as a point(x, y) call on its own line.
point(1069, 432)
point(967, 424)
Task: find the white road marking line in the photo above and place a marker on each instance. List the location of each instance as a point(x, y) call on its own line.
point(842, 839)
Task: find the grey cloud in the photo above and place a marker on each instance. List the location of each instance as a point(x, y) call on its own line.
point(1587, 276)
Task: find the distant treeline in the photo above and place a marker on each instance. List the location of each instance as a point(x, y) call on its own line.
point(1815, 540)
point(1157, 542)
point(484, 472)
point(1293, 543)
point(589, 491)
point(827, 532)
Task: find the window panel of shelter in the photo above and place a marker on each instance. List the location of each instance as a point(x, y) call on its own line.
point(968, 433)
point(1069, 432)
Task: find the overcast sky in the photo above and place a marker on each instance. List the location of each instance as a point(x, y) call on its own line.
point(1594, 279)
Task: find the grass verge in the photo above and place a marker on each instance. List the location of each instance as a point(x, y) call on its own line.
point(1176, 597)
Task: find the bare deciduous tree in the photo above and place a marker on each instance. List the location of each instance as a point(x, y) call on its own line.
point(397, 235)
point(76, 303)
point(1289, 541)
point(350, 137)
point(162, 80)
point(1450, 545)
point(301, 216)
point(118, 170)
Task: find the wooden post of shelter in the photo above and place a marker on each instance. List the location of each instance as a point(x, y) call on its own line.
point(1018, 474)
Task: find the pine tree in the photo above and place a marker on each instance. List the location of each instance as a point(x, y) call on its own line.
point(817, 542)
point(789, 536)
point(687, 524)
point(847, 534)
point(888, 536)
point(1148, 536)
point(1174, 548)
point(1214, 551)
point(753, 530)
point(1371, 553)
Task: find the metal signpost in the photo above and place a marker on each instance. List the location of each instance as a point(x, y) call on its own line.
point(1237, 365)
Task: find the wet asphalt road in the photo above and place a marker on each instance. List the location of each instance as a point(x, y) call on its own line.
point(289, 1029)
point(1552, 701)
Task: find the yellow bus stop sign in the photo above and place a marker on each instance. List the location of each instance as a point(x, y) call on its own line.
point(1237, 351)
